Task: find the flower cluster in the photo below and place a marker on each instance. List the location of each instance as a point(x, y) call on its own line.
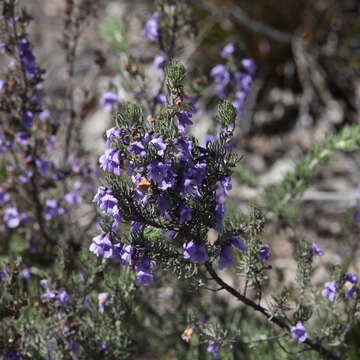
point(60, 295)
point(32, 152)
point(331, 288)
point(170, 177)
point(242, 81)
point(27, 58)
point(174, 180)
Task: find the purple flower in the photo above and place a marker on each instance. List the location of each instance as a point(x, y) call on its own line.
point(315, 248)
point(143, 264)
point(163, 204)
point(159, 61)
point(108, 204)
point(113, 133)
point(213, 349)
point(143, 278)
point(220, 74)
point(44, 283)
point(102, 246)
point(108, 100)
point(184, 146)
point(220, 91)
point(12, 217)
point(127, 254)
point(161, 99)
point(350, 285)
point(25, 273)
point(299, 332)
point(236, 241)
point(44, 115)
point(103, 299)
point(117, 252)
point(135, 226)
point(110, 161)
point(2, 275)
point(101, 192)
point(352, 278)
point(22, 138)
point(52, 210)
point(137, 148)
point(73, 198)
point(239, 102)
point(144, 274)
point(227, 50)
point(151, 29)
point(27, 58)
point(63, 297)
point(25, 218)
point(4, 197)
point(73, 346)
point(220, 208)
point(264, 252)
point(185, 214)
point(226, 184)
point(220, 195)
point(195, 252)
point(104, 346)
point(158, 142)
point(43, 166)
point(162, 174)
point(12, 355)
point(5, 145)
point(75, 166)
point(329, 290)
point(244, 81)
point(184, 119)
point(226, 257)
point(192, 179)
point(147, 136)
point(219, 215)
point(28, 119)
point(2, 84)
point(249, 65)
point(48, 295)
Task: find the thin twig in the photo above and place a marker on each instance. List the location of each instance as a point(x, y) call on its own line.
point(270, 338)
point(240, 16)
point(211, 289)
point(279, 322)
